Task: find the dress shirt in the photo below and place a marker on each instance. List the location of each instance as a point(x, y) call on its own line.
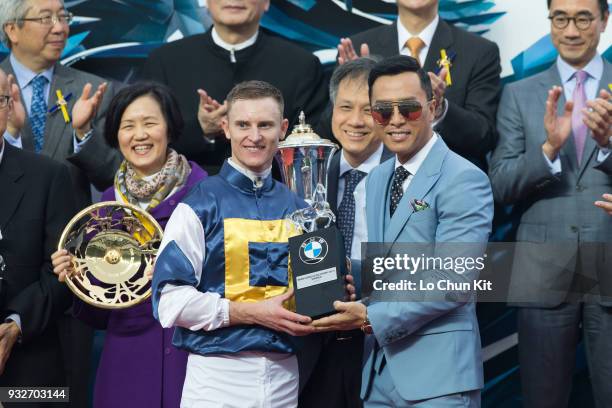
point(426, 36)
point(24, 77)
point(232, 47)
point(360, 232)
point(594, 69)
point(184, 305)
point(414, 163)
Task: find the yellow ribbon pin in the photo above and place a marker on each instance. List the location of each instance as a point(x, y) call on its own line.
point(610, 87)
point(444, 62)
point(62, 104)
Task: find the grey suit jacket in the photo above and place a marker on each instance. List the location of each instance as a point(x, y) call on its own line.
point(553, 209)
point(96, 162)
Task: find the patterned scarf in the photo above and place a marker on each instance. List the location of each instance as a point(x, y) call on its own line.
point(134, 188)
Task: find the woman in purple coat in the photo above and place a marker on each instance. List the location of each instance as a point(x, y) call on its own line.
point(139, 367)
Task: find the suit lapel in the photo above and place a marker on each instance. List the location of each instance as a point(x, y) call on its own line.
point(387, 41)
point(590, 147)
point(10, 184)
point(551, 77)
point(333, 177)
point(55, 127)
point(377, 212)
point(419, 186)
point(443, 38)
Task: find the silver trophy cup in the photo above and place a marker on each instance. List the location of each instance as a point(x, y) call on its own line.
point(304, 158)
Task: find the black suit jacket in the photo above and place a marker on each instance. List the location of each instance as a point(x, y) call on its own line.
point(197, 62)
point(469, 126)
point(37, 203)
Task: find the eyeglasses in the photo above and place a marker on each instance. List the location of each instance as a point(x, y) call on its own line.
point(382, 112)
point(51, 19)
point(582, 22)
point(4, 101)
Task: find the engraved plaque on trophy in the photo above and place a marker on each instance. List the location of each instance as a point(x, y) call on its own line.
point(317, 258)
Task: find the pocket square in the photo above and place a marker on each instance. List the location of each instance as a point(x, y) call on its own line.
point(419, 205)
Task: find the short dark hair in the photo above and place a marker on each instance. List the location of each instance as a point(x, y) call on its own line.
point(162, 94)
point(357, 69)
point(603, 7)
point(398, 65)
point(248, 90)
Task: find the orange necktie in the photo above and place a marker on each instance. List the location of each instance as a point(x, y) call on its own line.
point(415, 45)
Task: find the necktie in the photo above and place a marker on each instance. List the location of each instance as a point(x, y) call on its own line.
point(400, 175)
point(578, 128)
point(415, 45)
point(346, 210)
point(38, 111)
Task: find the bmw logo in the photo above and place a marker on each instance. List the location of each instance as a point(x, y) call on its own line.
point(313, 250)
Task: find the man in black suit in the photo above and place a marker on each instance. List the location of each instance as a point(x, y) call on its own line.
point(330, 363)
point(202, 69)
point(465, 115)
point(37, 202)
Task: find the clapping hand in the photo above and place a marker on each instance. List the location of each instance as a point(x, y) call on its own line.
point(85, 108)
point(210, 114)
point(346, 51)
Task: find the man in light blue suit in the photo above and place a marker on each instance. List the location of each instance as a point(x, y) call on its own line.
point(419, 354)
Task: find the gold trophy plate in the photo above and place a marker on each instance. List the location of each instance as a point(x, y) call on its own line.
point(113, 247)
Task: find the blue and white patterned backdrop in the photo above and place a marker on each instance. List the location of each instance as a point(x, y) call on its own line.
point(111, 37)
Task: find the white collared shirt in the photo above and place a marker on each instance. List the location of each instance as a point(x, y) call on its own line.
point(233, 47)
point(360, 231)
point(414, 163)
point(426, 36)
point(1, 151)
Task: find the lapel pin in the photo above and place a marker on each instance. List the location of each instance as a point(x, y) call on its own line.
point(446, 61)
point(61, 104)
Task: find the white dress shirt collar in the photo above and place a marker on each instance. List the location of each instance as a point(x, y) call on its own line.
point(426, 35)
point(249, 173)
point(366, 166)
point(414, 163)
point(25, 75)
point(594, 68)
point(2, 149)
point(233, 47)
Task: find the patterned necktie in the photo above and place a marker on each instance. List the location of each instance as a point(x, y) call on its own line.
point(400, 175)
point(38, 111)
point(415, 45)
point(346, 210)
point(578, 128)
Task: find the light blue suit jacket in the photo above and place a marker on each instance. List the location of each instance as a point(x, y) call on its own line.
point(431, 348)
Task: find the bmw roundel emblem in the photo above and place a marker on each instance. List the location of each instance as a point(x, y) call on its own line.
point(313, 250)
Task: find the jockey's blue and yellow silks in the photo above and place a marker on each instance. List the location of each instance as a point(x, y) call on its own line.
point(245, 233)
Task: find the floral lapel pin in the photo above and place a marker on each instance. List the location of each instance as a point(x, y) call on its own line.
point(419, 205)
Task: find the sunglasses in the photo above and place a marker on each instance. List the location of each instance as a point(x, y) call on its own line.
point(382, 112)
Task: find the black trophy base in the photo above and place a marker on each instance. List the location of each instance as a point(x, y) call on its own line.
point(318, 265)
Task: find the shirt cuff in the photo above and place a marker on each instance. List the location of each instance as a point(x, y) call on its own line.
point(603, 154)
point(15, 318)
point(554, 166)
point(13, 141)
point(78, 144)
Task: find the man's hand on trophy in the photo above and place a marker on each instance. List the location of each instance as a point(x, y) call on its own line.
point(350, 316)
point(271, 313)
point(62, 264)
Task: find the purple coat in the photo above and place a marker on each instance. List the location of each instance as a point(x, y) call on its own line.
point(139, 367)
